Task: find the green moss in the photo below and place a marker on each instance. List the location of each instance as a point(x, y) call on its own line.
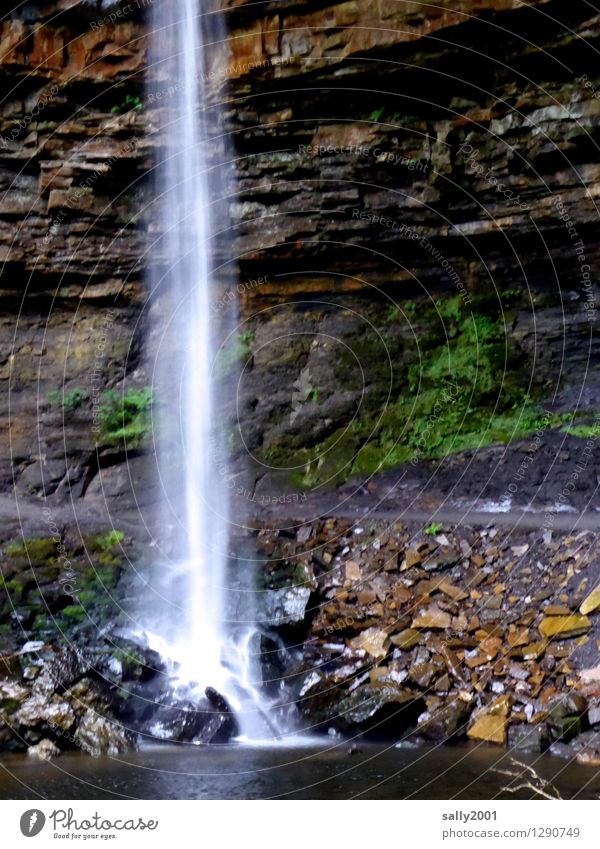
point(280, 574)
point(234, 352)
point(74, 613)
point(125, 418)
point(14, 587)
point(510, 296)
point(42, 624)
point(392, 315)
point(110, 540)
point(98, 578)
point(385, 115)
point(71, 400)
point(87, 597)
point(9, 705)
point(465, 391)
point(105, 551)
point(133, 663)
point(37, 551)
point(461, 387)
point(132, 101)
point(583, 431)
point(128, 657)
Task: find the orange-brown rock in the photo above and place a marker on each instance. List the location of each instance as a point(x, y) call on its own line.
point(432, 617)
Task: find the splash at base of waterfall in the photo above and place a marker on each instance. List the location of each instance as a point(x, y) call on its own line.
point(189, 617)
point(252, 711)
point(223, 652)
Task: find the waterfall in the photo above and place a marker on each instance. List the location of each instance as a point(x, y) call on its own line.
point(190, 619)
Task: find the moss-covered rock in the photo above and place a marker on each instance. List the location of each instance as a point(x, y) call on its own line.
point(51, 587)
point(459, 386)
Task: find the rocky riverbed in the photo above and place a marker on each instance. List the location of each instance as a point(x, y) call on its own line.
point(446, 633)
point(376, 630)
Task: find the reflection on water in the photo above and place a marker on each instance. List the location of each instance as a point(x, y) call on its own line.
point(305, 772)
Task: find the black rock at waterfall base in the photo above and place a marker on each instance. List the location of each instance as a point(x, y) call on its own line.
point(209, 721)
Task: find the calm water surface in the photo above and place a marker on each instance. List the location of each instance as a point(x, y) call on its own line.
point(294, 772)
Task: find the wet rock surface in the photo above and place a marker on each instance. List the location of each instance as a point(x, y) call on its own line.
point(176, 719)
point(103, 702)
point(73, 583)
point(59, 702)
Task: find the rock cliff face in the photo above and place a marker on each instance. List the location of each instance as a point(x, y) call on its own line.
point(391, 158)
point(392, 163)
point(71, 164)
point(372, 170)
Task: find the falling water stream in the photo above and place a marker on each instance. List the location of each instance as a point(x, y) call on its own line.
point(192, 622)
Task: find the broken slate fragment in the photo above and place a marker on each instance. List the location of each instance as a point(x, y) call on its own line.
point(374, 641)
point(564, 626)
point(591, 603)
point(432, 617)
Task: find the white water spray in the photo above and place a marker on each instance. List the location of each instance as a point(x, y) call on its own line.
point(195, 633)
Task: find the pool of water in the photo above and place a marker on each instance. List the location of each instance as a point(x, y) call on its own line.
point(307, 771)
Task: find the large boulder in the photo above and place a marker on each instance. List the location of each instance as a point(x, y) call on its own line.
point(101, 735)
point(208, 720)
point(446, 722)
point(380, 710)
point(286, 606)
